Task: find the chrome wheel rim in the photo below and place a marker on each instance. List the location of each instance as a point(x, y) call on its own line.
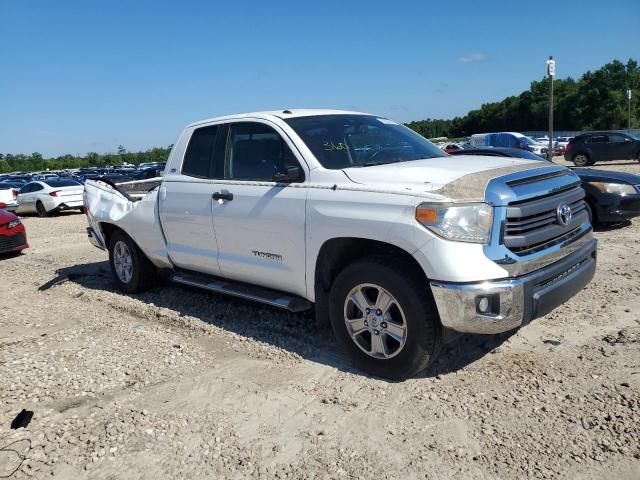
point(122, 262)
point(375, 321)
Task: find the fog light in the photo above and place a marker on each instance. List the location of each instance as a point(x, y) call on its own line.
point(488, 304)
point(483, 304)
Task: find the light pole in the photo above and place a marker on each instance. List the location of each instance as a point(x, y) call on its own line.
point(629, 107)
point(551, 71)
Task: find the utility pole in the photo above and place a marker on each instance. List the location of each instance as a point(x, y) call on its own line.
point(629, 106)
point(551, 71)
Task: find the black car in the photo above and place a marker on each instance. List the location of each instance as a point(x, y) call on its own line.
point(589, 148)
point(611, 196)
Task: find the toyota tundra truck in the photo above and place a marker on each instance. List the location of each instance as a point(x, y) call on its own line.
point(384, 235)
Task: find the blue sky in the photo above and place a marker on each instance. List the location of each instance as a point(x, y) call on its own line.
point(79, 76)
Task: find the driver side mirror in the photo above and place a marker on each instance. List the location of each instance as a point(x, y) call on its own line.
point(292, 174)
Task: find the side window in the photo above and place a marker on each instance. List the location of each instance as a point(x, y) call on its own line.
point(257, 152)
point(616, 138)
point(198, 159)
point(599, 139)
point(36, 187)
point(26, 188)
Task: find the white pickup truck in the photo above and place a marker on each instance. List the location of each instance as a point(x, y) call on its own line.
point(386, 236)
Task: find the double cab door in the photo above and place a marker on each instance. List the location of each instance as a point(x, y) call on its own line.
point(237, 209)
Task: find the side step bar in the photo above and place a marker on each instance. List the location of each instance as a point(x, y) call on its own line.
point(243, 290)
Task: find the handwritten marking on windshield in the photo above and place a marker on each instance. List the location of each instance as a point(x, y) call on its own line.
point(330, 146)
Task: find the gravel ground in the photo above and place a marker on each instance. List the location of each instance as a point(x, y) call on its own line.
point(176, 383)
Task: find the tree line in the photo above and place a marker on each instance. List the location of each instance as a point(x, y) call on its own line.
point(36, 162)
point(596, 101)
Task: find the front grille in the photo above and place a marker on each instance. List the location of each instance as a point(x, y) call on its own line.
point(533, 224)
point(11, 242)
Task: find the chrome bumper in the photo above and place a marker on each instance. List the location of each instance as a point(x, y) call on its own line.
point(515, 301)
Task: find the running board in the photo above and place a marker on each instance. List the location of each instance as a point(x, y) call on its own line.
point(243, 290)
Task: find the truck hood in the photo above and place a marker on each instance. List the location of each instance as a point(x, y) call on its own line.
point(454, 178)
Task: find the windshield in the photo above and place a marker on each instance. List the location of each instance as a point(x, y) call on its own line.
point(634, 136)
point(342, 141)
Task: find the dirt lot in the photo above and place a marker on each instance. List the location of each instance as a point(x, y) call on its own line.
point(176, 383)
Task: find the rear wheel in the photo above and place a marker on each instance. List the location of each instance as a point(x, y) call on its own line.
point(132, 270)
point(42, 212)
point(582, 160)
point(383, 315)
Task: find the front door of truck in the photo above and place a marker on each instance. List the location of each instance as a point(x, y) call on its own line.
point(259, 213)
point(185, 204)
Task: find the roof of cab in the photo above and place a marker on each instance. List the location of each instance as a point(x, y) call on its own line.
point(284, 114)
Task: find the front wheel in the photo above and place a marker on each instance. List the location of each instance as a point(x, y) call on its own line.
point(383, 315)
point(131, 269)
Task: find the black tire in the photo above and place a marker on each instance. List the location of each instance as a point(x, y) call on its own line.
point(423, 329)
point(592, 215)
point(42, 212)
point(143, 272)
point(582, 160)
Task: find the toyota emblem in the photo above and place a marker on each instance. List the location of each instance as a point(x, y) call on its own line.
point(564, 214)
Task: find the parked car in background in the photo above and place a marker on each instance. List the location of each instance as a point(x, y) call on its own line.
point(611, 196)
point(562, 142)
point(589, 148)
point(8, 196)
point(50, 196)
point(451, 147)
point(13, 236)
point(45, 176)
point(508, 140)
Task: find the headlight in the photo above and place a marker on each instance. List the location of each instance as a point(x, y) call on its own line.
point(615, 188)
point(14, 223)
point(461, 223)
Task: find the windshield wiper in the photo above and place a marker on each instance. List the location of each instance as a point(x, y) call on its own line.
point(371, 164)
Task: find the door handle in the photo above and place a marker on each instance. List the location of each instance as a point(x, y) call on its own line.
point(222, 196)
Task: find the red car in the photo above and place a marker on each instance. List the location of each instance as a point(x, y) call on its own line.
point(13, 236)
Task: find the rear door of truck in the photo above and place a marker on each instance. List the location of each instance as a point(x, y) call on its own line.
point(185, 203)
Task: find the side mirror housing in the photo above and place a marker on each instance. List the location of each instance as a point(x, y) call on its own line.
point(291, 175)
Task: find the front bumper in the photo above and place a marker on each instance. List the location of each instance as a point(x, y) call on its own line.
point(73, 205)
point(514, 302)
point(12, 207)
point(13, 243)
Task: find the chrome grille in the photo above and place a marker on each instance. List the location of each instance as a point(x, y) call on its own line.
point(533, 224)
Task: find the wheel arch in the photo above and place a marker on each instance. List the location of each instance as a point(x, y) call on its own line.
point(336, 253)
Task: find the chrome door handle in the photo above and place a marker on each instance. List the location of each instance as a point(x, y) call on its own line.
point(222, 196)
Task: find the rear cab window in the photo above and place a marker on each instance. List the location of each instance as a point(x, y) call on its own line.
point(199, 158)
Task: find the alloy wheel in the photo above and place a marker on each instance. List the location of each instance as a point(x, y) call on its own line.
point(122, 262)
point(375, 321)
